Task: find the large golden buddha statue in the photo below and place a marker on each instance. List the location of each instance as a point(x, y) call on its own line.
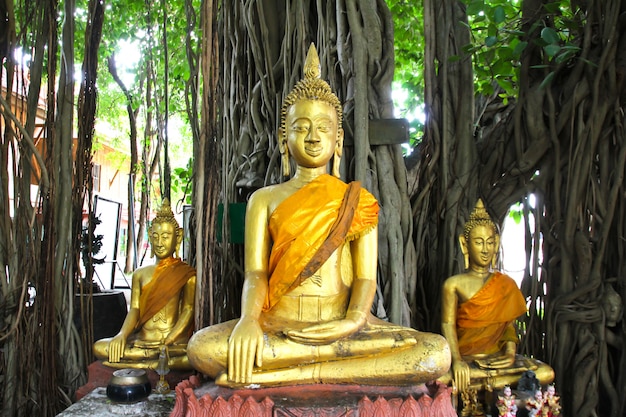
point(479, 308)
point(161, 305)
point(310, 273)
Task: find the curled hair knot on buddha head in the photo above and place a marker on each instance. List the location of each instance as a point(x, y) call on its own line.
point(166, 215)
point(311, 87)
point(479, 217)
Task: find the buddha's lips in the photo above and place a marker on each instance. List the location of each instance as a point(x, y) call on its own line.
point(313, 151)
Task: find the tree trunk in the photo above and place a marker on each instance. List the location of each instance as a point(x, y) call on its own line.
point(131, 248)
point(447, 188)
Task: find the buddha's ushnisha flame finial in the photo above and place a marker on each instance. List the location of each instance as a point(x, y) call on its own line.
point(479, 211)
point(165, 214)
point(478, 216)
point(312, 63)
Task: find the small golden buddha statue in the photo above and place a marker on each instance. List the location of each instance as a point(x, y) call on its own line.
point(161, 305)
point(310, 273)
point(479, 308)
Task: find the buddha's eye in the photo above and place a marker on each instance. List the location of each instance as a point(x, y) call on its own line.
point(300, 128)
point(324, 128)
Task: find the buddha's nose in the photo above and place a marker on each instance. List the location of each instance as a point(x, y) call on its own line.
point(313, 137)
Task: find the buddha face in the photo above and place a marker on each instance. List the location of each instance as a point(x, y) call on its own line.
point(482, 246)
point(612, 306)
point(164, 239)
point(311, 133)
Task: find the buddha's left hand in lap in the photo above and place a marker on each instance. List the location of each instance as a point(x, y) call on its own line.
point(504, 360)
point(324, 333)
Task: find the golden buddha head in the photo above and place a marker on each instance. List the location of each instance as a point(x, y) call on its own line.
point(311, 88)
point(164, 233)
point(480, 240)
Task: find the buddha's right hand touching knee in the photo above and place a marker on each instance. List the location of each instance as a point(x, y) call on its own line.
point(116, 348)
point(461, 374)
point(245, 348)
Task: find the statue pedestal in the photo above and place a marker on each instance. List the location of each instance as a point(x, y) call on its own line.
point(196, 399)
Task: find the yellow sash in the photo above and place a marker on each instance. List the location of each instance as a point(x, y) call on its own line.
point(170, 275)
point(310, 224)
point(485, 320)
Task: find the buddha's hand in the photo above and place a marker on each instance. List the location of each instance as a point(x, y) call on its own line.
point(245, 348)
point(502, 361)
point(324, 333)
point(116, 348)
point(461, 373)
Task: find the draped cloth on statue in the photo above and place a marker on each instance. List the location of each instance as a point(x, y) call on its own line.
point(485, 321)
point(170, 275)
point(308, 226)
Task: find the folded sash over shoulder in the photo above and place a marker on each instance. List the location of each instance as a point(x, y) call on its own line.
point(486, 318)
point(170, 275)
point(310, 225)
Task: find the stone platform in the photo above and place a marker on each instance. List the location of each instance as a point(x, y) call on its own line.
point(194, 398)
point(96, 404)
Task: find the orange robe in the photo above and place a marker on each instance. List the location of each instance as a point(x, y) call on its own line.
point(170, 275)
point(310, 224)
point(485, 321)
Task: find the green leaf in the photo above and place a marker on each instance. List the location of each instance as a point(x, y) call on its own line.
point(468, 49)
point(506, 85)
point(491, 41)
point(519, 48)
point(505, 53)
point(565, 55)
point(546, 81)
point(516, 212)
point(550, 36)
point(552, 50)
point(486, 88)
point(475, 7)
point(499, 15)
point(479, 18)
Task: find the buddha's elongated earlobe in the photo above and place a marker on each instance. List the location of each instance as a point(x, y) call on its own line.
point(494, 260)
point(179, 241)
point(338, 154)
point(464, 250)
point(284, 152)
point(284, 157)
point(336, 163)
